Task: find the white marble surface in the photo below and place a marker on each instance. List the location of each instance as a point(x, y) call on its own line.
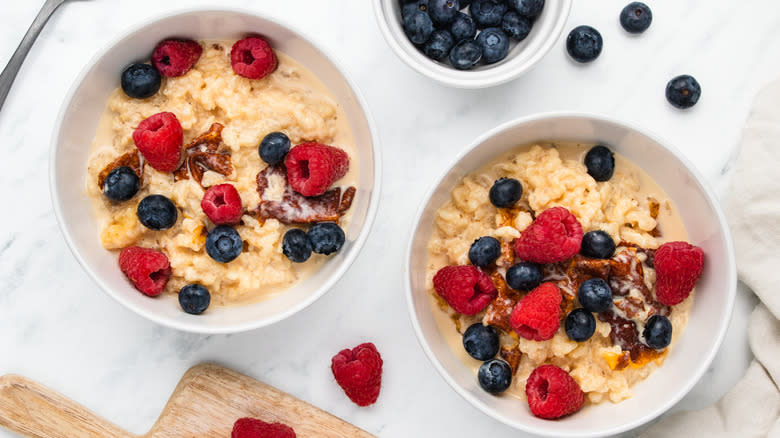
point(57, 327)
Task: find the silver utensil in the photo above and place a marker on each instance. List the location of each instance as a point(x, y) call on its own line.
point(9, 72)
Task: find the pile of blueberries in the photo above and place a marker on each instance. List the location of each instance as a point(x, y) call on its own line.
point(594, 295)
point(467, 32)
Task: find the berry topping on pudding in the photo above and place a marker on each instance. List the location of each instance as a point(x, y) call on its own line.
point(148, 269)
point(313, 167)
point(505, 192)
point(121, 184)
point(159, 138)
point(194, 299)
point(140, 81)
point(359, 373)
point(595, 295)
point(678, 266)
point(553, 393)
point(466, 289)
point(296, 245)
point(537, 315)
point(524, 276)
point(495, 376)
point(600, 162)
point(253, 58)
point(658, 332)
point(274, 147)
point(174, 58)
point(597, 244)
point(484, 251)
point(326, 238)
point(224, 244)
point(481, 341)
point(157, 212)
point(222, 204)
point(584, 44)
point(580, 325)
point(554, 236)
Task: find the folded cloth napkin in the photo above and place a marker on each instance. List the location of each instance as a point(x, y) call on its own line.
point(752, 407)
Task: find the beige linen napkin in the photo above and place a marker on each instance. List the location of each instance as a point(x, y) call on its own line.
point(752, 407)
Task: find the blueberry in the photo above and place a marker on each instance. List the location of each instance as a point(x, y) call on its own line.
point(524, 276)
point(194, 299)
point(584, 44)
point(484, 251)
point(636, 17)
point(157, 212)
point(528, 8)
point(597, 244)
point(658, 332)
point(296, 245)
point(580, 325)
point(439, 44)
point(488, 13)
point(481, 341)
point(600, 162)
point(418, 27)
point(121, 184)
point(224, 244)
point(505, 192)
point(516, 26)
point(495, 376)
point(413, 6)
point(463, 27)
point(494, 43)
point(683, 91)
point(465, 55)
point(274, 147)
point(595, 295)
point(140, 81)
point(326, 238)
point(442, 12)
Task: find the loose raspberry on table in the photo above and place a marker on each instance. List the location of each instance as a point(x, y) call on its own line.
point(253, 58)
point(678, 266)
point(176, 57)
point(148, 269)
point(222, 204)
point(466, 289)
point(159, 138)
point(359, 373)
point(553, 393)
point(554, 236)
point(313, 167)
point(254, 428)
point(537, 315)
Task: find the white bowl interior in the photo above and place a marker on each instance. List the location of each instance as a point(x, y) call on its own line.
point(77, 128)
point(546, 30)
point(709, 317)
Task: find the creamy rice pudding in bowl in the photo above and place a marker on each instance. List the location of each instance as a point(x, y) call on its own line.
point(215, 171)
point(551, 275)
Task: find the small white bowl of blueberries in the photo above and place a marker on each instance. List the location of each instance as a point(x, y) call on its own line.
point(471, 43)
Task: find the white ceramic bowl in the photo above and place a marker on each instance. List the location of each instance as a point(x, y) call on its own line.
point(706, 227)
point(524, 55)
point(77, 124)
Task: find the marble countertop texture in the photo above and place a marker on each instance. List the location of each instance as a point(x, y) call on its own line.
point(57, 327)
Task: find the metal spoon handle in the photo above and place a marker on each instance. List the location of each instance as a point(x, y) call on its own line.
point(9, 72)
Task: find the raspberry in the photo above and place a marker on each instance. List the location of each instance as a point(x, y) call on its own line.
point(254, 428)
point(222, 204)
point(554, 236)
point(553, 393)
point(313, 167)
point(253, 58)
point(466, 289)
point(537, 315)
point(678, 266)
point(359, 373)
point(159, 138)
point(176, 57)
point(148, 269)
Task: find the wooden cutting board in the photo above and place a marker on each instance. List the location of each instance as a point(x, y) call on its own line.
point(206, 403)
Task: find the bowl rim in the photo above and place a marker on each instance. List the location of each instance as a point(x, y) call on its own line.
point(193, 326)
point(711, 199)
point(462, 79)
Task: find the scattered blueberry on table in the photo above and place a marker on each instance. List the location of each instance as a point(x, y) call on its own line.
point(683, 91)
point(636, 17)
point(584, 44)
point(465, 33)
